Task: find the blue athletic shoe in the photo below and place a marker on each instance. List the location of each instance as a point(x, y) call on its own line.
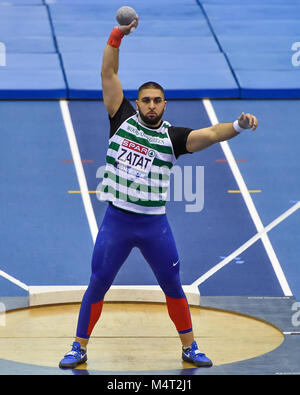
point(74, 357)
point(193, 355)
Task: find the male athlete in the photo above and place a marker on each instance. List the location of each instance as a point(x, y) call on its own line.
point(142, 150)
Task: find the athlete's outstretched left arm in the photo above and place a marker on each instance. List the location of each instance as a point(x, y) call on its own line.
point(203, 138)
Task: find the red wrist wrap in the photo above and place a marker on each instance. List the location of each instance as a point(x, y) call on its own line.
point(115, 37)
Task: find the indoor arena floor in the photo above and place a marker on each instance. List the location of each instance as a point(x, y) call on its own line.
point(236, 231)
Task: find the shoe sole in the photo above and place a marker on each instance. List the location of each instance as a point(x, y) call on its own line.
point(72, 365)
point(199, 364)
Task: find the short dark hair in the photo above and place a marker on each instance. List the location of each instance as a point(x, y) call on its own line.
point(151, 85)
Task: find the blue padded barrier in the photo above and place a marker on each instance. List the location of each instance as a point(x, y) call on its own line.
point(206, 74)
point(180, 45)
point(161, 40)
point(158, 28)
point(134, 61)
point(20, 2)
point(176, 84)
point(261, 61)
point(231, 43)
point(32, 76)
point(195, 84)
point(257, 11)
point(29, 61)
point(28, 27)
point(81, 28)
point(259, 28)
point(241, 2)
point(30, 44)
point(269, 84)
point(82, 12)
point(115, 4)
point(30, 84)
point(23, 12)
point(257, 39)
point(33, 68)
point(105, 11)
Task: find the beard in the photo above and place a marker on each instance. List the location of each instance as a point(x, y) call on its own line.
point(151, 121)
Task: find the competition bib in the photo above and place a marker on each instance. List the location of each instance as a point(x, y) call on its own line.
point(134, 158)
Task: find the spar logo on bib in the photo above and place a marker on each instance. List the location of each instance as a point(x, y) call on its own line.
point(135, 147)
point(136, 156)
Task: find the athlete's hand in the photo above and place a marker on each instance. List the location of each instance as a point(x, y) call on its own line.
point(130, 28)
point(247, 121)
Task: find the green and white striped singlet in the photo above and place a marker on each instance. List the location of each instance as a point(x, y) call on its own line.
point(138, 168)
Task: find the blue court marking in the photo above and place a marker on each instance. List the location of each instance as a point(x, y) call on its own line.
point(45, 238)
point(202, 237)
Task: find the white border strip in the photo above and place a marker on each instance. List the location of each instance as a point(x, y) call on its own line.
point(79, 169)
point(43, 295)
point(250, 205)
point(291, 333)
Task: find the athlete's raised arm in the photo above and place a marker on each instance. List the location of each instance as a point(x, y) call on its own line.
point(111, 84)
point(202, 138)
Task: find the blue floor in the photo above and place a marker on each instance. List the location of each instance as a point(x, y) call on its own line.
point(202, 237)
point(271, 166)
point(40, 224)
point(55, 52)
point(46, 227)
point(45, 236)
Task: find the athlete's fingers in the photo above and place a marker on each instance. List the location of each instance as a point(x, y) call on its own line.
point(252, 121)
point(255, 123)
point(241, 117)
point(129, 28)
point(249, 118)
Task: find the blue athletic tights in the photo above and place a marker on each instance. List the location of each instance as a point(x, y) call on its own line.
point(119, 233)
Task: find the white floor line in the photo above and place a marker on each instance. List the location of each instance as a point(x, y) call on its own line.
point(283, 216)
point(249, 203)
point(14, 280)
point(79, 169)
point(291, 333)
point(246, 245)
